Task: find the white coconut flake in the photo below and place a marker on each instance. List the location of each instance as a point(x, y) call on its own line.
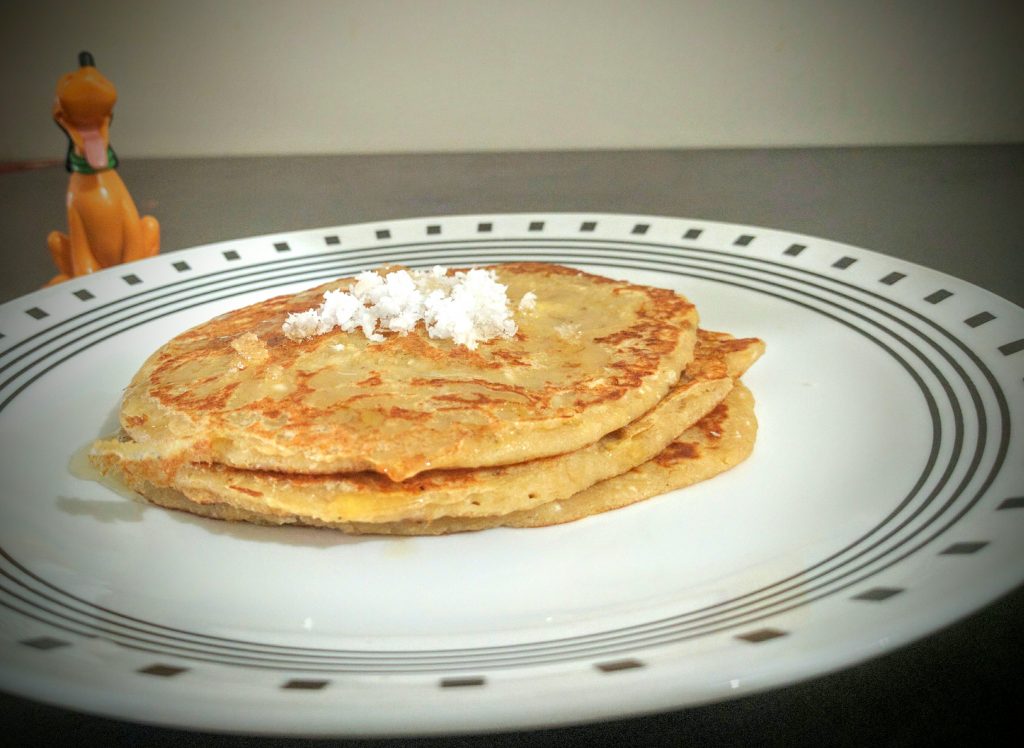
point(302, 325)
point(464, 307)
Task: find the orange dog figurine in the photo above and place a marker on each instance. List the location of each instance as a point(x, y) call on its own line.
point(104, 227)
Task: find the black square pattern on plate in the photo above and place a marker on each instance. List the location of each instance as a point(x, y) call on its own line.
point(461, 682)
point(843, 262)
point(761, 635)
point(1009, 348)
point(640, 228)
point(794, 249)
point(892, 278)
point(743, 240)
point(878, 594)
point(964, 549)
point(282, 247)
point(536, 225)
point(332, 240)
point(588, 225)
point(692, 234)
point(979, 319)
point(36, 313)
point(45, 643)
point(298, 684)
point(433, 229)
point(937, 296)
point(181, 266)
point(615, 666)
point(485, 228)
point(84, 295)
point(162, 671)
point(383, 234)
point(131, 279)
point(231, 255)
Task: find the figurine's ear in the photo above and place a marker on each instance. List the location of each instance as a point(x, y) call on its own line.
point(74, 139)
point(60, 119)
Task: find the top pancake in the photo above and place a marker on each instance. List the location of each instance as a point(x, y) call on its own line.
point(593, 355)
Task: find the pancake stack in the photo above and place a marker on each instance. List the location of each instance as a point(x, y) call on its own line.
point(607, 393)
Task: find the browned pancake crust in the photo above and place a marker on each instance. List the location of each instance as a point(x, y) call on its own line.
point(217, 394)
point(370, 497)
point(722, 440)
point(529, 494)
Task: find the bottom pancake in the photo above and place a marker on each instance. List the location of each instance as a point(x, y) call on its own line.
point(719, 441)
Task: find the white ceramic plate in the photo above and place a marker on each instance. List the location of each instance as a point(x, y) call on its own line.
point(883, 500)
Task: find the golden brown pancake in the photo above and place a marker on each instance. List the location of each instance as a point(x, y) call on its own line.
point(467, 492)
point(721, 440)
point(541, 491)
point(716, 443)
point(593, 356)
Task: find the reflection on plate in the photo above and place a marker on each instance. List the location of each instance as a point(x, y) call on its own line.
point(885, 498)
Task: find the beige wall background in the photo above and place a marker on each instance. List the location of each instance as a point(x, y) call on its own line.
point(261, 77)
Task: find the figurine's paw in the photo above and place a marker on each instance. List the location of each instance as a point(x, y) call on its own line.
point(60, 250)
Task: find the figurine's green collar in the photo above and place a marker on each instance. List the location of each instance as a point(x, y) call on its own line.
point(79, 165)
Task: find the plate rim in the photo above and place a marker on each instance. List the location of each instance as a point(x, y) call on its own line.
point(278, 235)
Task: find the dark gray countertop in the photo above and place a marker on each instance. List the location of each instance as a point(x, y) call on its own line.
point(957, 209)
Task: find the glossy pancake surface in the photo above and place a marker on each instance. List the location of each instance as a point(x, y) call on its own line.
point(592, 356)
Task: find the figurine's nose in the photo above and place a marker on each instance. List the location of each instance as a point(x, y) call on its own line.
point(85, 60)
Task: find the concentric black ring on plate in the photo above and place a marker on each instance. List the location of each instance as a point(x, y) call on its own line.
point(21, 365)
